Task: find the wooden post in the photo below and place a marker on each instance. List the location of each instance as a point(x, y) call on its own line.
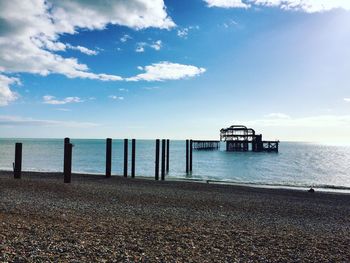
point(156, 173)
point(133, 155)
point(125, 157)
point(187, 146)
point(167, 155)
point(68, 162)
point(163, 160)
point(108, 157)
point(191, 145)
point(17, 169)
point(66, 141)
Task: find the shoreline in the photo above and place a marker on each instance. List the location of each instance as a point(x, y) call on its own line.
point(323, 189)
point(141, 220)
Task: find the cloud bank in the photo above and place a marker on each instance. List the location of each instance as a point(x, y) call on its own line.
point(284, 120)
point(309, 6)
point(30, 32)
point(21, 121)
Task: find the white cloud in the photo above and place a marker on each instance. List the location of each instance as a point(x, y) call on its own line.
point(347, 99)
point(48, 99)
point(156, 45)
point(125, 38)
point(183, 32)
point(140, 47)
point(167, 71)
point(114, 97)
point(137, 14)
point(30, 32)
point(227, 3)
point(309, 6)
point(20, 121)
point(6, 94)
point(83, 50)
point(230, 23)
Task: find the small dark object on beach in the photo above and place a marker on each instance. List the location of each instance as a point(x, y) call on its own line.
point(311, 190)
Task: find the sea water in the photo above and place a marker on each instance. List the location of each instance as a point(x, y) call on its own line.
point(297, 164)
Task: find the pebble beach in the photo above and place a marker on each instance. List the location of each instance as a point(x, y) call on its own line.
point(95, 219)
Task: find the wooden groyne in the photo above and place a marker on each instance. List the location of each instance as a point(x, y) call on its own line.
point(162, 159)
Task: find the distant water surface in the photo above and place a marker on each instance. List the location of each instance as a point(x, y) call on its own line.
point(297, 164)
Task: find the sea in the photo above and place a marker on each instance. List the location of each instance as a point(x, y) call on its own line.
point(298, 164)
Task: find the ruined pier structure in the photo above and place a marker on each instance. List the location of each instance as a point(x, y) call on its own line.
point(239, 138)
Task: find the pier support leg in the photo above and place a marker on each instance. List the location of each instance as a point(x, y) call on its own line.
point(68, 162)
point(126, 157)
point(108, 157)
point(163, 160)
point(17, 169)
point(156, 172)
point(167, 155)
point(133, 155)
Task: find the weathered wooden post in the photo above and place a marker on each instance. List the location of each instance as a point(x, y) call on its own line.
point(156, 172)
point(68, 162)
point(17, 169)
point(187, 146)
point(191, 145)
point(66, 141)
point(126, 157)
point(163, 160)
point(108, 157)
point(133, 155)
point(167, 155)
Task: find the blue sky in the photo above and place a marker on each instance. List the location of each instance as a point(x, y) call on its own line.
point(176, 69)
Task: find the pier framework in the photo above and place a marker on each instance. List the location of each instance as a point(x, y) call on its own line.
point(239, 138)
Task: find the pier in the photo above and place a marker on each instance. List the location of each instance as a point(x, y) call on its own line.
point(239, 138)
point(205, 145)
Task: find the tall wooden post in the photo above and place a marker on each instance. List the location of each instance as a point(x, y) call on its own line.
point(125, 157)
point(167, 155)
point(108, 157)
point(187, 146)
point(66, 141)
point(133, 155)
point(156, 172)
point(68, 162)
point(17, 169)
point(163, 160)
point(191, 145)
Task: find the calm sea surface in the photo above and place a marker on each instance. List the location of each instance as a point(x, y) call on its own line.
point(297, 164)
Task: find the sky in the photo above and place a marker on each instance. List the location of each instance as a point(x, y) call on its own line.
point(175, 69)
